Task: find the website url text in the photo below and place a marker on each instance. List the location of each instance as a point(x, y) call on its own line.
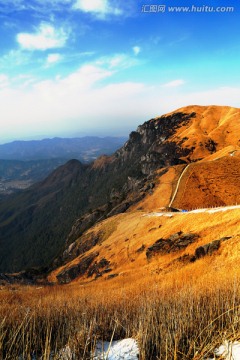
point(188, 9)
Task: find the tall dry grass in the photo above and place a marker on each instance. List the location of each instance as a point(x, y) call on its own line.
point(173, 316)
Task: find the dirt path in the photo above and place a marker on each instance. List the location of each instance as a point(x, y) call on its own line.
point(177, 187)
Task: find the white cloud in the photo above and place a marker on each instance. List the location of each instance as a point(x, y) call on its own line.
point(174, 83)
point(53, 59)
point(45, 37)
point(76, 102)
point(100, 8)
point(117, 61)
point(39, 6)
point(136, 50)
point(4, 81)
point(89, 99)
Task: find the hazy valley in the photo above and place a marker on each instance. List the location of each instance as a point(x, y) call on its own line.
point(22, 163)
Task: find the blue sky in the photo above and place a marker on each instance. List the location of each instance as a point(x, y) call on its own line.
point(102, 67)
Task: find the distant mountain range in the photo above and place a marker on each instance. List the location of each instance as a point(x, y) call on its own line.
point(84, 149)
point(46, 224)
point(23, 163)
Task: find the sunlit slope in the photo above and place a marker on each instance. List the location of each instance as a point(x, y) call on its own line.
point(212, 129)
point(124, 241)
point(207, 183)
point(212, 183)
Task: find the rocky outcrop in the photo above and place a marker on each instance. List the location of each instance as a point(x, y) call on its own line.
point(82, 224)
point(112, 276)
point(141, 249)
point(176, 242)
point(99, 268)
point(85, 243)
point(71, 273)
point(201, 251)
point(211, 145)
point(207, 249)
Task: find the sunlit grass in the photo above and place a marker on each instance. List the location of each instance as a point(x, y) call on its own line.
point(181, 315)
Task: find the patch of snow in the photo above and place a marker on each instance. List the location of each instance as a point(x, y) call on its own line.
point(126, 349)
point(168, 214)
point(217, 209)
point(196, 211)
point(228, 351)
point(225, 208)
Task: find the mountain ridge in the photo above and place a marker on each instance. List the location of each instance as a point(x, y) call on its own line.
point(111, 185)
point(82, 148)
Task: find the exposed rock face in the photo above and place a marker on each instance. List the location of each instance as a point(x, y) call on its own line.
point(141, 249)
point(150, 143)
point(201, 251)
point(69, 274)
point(112, 276)
point(82, 224)
point(99, 268)
point(86, 242)
point(211, 145)
point(175, 242)
point(207, 249)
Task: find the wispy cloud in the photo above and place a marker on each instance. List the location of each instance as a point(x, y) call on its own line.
point(45, 37)
point(136, 50)
point(174, 83)
point(99, 8)
point(10, 5)
point(38, 5)
point(53, 59)
point(14, 58)
point(117, 62)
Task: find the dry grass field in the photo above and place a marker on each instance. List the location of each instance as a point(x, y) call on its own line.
point(175, 309)
point(176, 315)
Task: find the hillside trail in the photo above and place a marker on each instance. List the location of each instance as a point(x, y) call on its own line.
point(178, 184)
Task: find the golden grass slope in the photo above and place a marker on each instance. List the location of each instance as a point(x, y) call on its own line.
point(210, 183)
point(140, 230)
point(218, 123)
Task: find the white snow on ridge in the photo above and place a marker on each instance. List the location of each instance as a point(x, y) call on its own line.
point(126, 349)
point(217, 209)
point(204, 210)
point(168, 214)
